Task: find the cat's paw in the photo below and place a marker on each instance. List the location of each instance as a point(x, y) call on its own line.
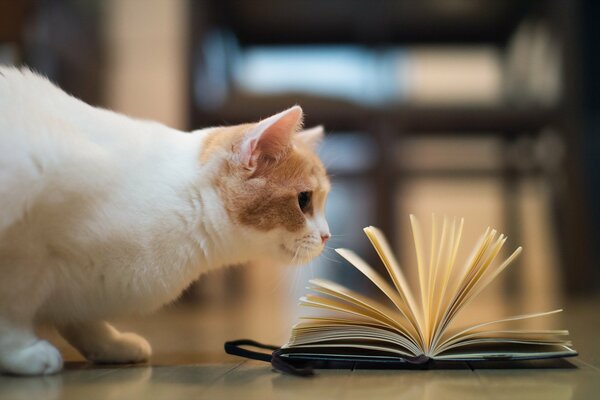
point(40, 358)
point(126, 348)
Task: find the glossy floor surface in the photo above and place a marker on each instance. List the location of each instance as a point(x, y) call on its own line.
point(189, 363)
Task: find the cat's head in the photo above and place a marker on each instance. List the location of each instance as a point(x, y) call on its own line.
point(273, 185)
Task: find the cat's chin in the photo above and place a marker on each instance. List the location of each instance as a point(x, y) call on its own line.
point(300, 255)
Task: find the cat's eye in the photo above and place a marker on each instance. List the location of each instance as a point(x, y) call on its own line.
point(304, 200)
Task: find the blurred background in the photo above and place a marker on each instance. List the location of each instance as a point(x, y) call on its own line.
point(487, 110)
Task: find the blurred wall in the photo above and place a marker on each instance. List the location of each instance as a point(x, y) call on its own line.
point(146, 44)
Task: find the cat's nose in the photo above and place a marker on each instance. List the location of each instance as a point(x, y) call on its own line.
point(325, 237)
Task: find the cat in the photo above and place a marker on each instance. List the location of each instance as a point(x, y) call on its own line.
point(102, 215)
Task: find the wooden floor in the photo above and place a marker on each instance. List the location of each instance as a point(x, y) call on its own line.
point(189, 364)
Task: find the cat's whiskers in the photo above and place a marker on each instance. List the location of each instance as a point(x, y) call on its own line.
point(294, 258)
point(330, 259)
point(298, 283)
point(282, 278)
point(336, 239)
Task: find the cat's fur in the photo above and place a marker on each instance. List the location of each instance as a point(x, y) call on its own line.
point(103, 215)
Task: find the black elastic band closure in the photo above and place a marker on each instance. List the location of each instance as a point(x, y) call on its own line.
point(234, 348)
point(281, 365)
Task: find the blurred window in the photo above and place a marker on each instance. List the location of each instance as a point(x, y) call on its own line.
point(349, 72)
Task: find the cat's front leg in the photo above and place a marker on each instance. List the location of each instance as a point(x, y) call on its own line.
point(100, 342)
point(22, 353)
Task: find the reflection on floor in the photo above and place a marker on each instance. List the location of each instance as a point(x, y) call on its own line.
point(189, 363)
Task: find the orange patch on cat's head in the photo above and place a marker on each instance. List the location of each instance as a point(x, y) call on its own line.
point(276, 185)
point(264, 168)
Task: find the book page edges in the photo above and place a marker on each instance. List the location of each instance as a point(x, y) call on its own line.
point(388, 258)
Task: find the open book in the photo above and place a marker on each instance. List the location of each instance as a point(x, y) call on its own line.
point(416, 325)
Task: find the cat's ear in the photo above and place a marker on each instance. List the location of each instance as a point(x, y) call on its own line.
point(311, 137)
point(270, 137)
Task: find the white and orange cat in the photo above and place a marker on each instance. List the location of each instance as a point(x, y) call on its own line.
point(102, 215)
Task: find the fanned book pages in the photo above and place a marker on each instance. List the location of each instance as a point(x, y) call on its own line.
point(415, 325)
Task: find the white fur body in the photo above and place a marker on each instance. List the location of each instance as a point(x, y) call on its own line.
point(87, 196)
